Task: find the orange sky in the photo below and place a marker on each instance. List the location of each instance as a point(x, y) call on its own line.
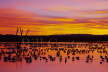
point(10, 19)
point(52, 17)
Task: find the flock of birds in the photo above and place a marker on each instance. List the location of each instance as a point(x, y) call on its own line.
point(53, 53)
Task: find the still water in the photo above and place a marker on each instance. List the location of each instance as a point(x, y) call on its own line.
point(53, 57)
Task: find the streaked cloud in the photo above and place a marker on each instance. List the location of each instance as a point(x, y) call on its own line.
point(50, 25)
point(50, 17)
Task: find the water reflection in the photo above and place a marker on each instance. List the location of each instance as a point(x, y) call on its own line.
point(61, 52)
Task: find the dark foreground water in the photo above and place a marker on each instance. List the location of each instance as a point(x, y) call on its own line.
point(53, 57)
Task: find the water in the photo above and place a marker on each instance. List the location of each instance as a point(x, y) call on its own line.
point(53, 57)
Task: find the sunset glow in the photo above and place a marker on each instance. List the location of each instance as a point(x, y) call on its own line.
point(54, 17)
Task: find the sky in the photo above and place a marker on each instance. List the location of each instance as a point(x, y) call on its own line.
point(54, 17)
